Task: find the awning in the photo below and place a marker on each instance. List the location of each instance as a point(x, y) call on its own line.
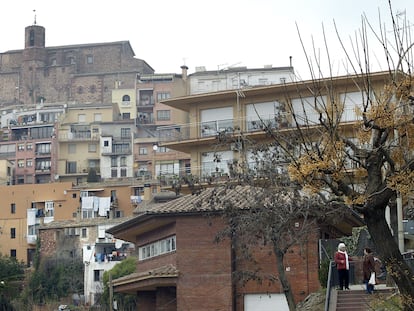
point(148, 280)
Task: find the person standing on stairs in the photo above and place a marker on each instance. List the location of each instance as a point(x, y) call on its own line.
point(368, 267)
point(342, 265)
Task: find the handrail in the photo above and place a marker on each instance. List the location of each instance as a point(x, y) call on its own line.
point(328, 286)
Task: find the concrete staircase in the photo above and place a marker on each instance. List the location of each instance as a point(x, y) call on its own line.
point(358, 299)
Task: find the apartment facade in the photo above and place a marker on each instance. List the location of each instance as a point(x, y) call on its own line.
point(25, 208)
point(86, 240)
point(151, 162)
point(248, 113)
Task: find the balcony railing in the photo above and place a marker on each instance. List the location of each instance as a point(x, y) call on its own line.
point(189, 131)
point(78, 137)
point(31, 239)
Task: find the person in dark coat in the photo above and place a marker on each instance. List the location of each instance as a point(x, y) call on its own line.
point(342, 265)
point(368, 266)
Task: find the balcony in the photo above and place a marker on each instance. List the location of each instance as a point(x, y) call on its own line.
point(31, 239)
point(83, 136)
point(116, 151)
point(81, 170)
point(191, 131)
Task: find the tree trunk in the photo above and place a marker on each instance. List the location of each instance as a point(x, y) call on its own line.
point(389, 253)
point(283, 280)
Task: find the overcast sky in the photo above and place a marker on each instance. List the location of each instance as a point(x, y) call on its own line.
point(215, 33)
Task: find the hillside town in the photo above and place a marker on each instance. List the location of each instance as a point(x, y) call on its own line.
point(103, 160)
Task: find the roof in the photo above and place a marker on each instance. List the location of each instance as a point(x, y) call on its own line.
point(195, 204)
point(85, 45)
point(164, 275)
point(164, 271)
point(58, 224)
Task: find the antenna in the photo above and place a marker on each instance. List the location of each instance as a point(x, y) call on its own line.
point(34, 11)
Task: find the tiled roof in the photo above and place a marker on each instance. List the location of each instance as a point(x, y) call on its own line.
point(84, 222)
point(164, 271)
point(206, 200)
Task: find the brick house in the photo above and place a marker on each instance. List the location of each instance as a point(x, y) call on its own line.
point(180, 267)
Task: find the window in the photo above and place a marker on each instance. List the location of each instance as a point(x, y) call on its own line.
point(29, 147)
point(123, 161)
point(123, 172)
point(92, 89)
point(87, 213)
point(126, 98)
point(53, 62)
point(13, 253)
point(29, 162)
point(162, 149)
point(72, 148)
point(89, 59)
point(263, 81)
point(12, 233)
point(97, 275)
point(114, 162)
point(163, 115)
point(20, 163)
point(13, 208)
point(84, 232)
point(20, 179)
point(143, 150)
point(119, 214)
point(125, 133)
point(92, 148)
point(114, 173)
point(71, 167)
point(97, 117)
point(32, 229)
point(157, 248)
point(163, 95)
point(126, 116)
point(42, 165)
point(32, 38)
point(106, 143)
point(20, 147)
point(81, 118)
point(43, 148)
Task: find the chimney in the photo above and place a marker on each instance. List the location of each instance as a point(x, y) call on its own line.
point(147, 193)
point(184, 69)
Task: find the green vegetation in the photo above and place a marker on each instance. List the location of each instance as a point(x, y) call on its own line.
point(124, 301)
point(11, 281)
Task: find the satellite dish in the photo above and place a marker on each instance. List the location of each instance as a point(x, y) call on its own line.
point(118, 243)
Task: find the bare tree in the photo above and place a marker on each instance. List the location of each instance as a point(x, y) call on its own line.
point(380, 149)
point(263, 214)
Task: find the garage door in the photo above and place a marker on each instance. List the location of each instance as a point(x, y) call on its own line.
point(265, 302)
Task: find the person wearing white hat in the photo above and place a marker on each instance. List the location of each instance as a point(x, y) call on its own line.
point(342, 265)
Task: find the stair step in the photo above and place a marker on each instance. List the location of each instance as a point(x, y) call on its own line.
point(358, 300)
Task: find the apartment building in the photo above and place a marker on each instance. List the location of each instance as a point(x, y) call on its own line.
point(246, 113)
point(6, 172)
point(234, 78)
point(27, 140)
point(25, 208)
point(86, 240)
point(151, 162)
